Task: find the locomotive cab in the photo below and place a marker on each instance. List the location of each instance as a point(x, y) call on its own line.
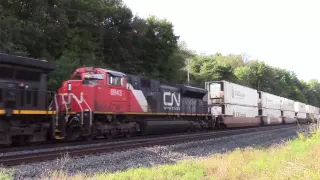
point(96, 87)
point(92, 91)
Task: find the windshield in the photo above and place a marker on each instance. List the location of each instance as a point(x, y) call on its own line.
point(94, 77)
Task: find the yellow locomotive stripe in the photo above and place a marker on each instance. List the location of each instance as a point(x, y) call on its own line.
point(43, 112)
point(33, 112)
point(2, 111)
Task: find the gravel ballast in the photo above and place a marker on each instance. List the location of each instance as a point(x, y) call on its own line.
point(150, 156)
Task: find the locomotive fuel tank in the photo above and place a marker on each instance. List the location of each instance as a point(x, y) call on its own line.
point(158, 126)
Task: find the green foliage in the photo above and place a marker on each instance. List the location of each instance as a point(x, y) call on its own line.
point(104, 33)
point(183, 170)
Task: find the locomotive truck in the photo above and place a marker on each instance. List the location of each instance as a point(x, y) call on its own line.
point(101, 103)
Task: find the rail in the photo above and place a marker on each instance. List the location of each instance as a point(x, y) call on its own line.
point(12, 160)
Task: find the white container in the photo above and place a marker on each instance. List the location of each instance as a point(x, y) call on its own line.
point(269, 101)
point(289, 117)
point(288, 114)
point(234, 110)
point(302, 115)
point(309, 109)
point(300, 107)
point(271, 112)
point(223, 92)
point(271, 116)
point(286, 104)
point(312, 110)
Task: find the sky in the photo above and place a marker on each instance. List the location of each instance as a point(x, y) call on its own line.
point(282, 33)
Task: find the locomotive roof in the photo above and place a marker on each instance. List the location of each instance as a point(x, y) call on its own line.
point(193, 89)
point(115, 73)
point(26, 61)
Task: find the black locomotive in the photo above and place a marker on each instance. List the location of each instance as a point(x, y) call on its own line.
point(24, 100)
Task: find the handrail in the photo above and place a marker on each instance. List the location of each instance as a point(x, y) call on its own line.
point(57, 109)
point(79, 104)
point(65, 104)
point(89, 110)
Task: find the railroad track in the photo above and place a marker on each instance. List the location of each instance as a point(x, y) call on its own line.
point(111, 147)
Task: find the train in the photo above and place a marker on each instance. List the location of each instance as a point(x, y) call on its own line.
point(100, 103)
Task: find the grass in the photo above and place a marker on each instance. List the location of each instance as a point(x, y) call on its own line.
point(296, 159)
point(6, 174)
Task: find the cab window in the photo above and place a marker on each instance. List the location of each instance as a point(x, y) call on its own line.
point(115, 80)
point(93, 79)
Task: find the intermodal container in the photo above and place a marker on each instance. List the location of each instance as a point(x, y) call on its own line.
point(312, 110)
point(223, 92)
point(269, 101)
point(271, 116)
point(302, 115)
point(286, 104)
point(300, 107)
point(234, 110)
point(288, 114)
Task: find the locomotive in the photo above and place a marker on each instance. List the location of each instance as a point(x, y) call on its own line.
point(102, 103)
point(24, 99)
point(106, 103)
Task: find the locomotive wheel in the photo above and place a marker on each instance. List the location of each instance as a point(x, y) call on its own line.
point(88, 138)
point(109, 137)
point(128, 135)
point(221, 126)
point(73, 133)
point(21, 140)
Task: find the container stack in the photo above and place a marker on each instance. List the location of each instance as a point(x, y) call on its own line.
point(270, 108)
point(301, 111)
point(238, 105)
point(312, 113)
point(288, 110)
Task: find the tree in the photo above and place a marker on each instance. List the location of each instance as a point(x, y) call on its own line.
point(103, 33)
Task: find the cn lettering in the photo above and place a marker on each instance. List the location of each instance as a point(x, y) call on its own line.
point(71, 96)
point(173, 98)
point(116, 92)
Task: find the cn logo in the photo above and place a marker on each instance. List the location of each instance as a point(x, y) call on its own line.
point(71, 96)
point(169, 98)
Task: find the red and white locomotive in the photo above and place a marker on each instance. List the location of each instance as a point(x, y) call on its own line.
point(99, 102)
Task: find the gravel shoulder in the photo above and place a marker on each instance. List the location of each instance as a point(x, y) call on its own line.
point(156, 155)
